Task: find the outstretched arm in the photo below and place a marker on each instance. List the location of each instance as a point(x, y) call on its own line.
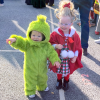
point(17, 42)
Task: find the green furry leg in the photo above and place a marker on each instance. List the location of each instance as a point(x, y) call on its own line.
point(30, 89)
point(29, 92)
point(41, 87)
point(42, 82)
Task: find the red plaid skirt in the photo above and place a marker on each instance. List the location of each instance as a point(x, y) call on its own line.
point(64, 69)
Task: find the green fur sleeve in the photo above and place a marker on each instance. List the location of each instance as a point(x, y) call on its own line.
point(19, 44)
point(52, 55)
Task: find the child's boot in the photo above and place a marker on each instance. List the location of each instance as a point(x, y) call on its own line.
point(65, 85)
point(59, 84)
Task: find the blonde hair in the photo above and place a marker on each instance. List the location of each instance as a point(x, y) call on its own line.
point(65, 11)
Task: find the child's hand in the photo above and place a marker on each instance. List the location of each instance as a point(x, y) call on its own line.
point(57, 64)
point(73, 59)
point(59, 46)
point(10, 40)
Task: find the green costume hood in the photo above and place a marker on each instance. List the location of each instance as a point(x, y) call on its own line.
point(41, 26)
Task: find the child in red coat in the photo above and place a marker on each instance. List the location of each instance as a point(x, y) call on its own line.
point(67, 43)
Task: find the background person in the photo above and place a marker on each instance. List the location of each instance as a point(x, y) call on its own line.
point(1, 2)
point(84, 10)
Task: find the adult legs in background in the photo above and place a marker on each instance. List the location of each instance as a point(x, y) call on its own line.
point(46, 1)
point(1, 2)
point(38, 3)
point(84, 17)
point(97, 31)
point(95, 19)
point(98, 25)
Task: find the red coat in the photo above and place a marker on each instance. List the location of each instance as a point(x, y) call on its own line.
point(74, 43)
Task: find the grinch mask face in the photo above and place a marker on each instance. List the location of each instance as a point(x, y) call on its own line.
point(41, 28)
point(36, 36)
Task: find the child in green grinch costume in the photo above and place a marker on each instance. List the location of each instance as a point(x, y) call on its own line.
point(37, 49)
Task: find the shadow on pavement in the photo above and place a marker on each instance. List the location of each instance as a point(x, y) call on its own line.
point(74, 93)
point(15, 58)
point(91, 76)
point(94, 59)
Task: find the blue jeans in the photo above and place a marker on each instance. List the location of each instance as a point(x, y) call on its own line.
point(1, 1)
point(84, 10)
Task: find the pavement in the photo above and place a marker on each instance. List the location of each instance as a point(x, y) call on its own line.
point(84, 83)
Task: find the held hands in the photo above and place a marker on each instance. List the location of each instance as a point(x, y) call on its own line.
point(10, 40)
point(59, 46)
point(57, 64)
point(73, 59)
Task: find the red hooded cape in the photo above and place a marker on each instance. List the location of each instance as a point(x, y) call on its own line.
point(74, 44)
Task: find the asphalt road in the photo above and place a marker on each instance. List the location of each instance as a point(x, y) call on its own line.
point(84, 83)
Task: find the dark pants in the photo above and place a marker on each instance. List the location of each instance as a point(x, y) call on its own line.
point(38, 3)
point(51, 2)
point(1, 1)
point(28, 2)
point(95, 19)
point(84, 10)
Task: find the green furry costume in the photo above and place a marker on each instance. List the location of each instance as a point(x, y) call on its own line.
point(35, 56)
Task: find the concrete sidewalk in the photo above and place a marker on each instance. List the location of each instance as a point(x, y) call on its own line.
point(84, 83)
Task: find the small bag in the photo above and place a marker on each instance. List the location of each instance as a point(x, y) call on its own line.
point(96, 7)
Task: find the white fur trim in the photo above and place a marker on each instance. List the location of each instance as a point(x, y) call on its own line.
point(64, 54)
point(56, 30)
point(69, 54)
point(71, 33)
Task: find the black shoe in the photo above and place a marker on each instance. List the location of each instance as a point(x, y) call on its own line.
point(85, 51)
point(59, 84)
point(94, 22)
point(65, 85)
